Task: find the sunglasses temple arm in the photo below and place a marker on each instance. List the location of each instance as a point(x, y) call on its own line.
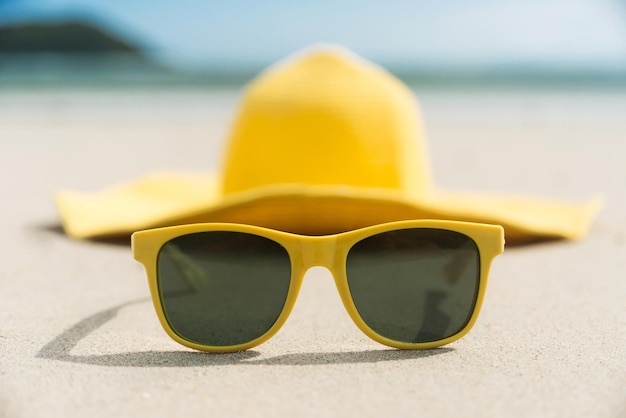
point(433, 316)
point(457, 266)
point(192, 274)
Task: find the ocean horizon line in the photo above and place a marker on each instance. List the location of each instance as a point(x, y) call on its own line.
point(50, 70)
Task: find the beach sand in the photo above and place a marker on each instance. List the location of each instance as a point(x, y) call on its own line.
point(79, 337)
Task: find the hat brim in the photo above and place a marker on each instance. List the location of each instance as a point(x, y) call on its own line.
point(177, 198)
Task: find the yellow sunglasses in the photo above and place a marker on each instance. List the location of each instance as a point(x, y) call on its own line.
point(222, 287)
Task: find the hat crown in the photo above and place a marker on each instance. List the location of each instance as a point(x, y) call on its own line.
point(327, 117)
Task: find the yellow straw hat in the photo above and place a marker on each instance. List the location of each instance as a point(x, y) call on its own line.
point(324, 142)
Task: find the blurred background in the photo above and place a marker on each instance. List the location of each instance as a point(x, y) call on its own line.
point(86, 85)
point(453, 43)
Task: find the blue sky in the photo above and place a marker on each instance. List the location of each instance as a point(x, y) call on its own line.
point(546, 33)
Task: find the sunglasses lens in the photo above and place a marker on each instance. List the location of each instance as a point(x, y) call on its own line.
point(414, 285)
point(222, 288)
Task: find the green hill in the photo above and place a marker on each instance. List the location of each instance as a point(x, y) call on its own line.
point(62, 38)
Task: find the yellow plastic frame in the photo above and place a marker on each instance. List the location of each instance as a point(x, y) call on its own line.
point(328, 251)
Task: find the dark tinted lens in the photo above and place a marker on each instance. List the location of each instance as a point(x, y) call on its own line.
point(222, 288)
point(414, 285)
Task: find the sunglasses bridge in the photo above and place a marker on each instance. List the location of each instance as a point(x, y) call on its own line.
point(319, 251)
